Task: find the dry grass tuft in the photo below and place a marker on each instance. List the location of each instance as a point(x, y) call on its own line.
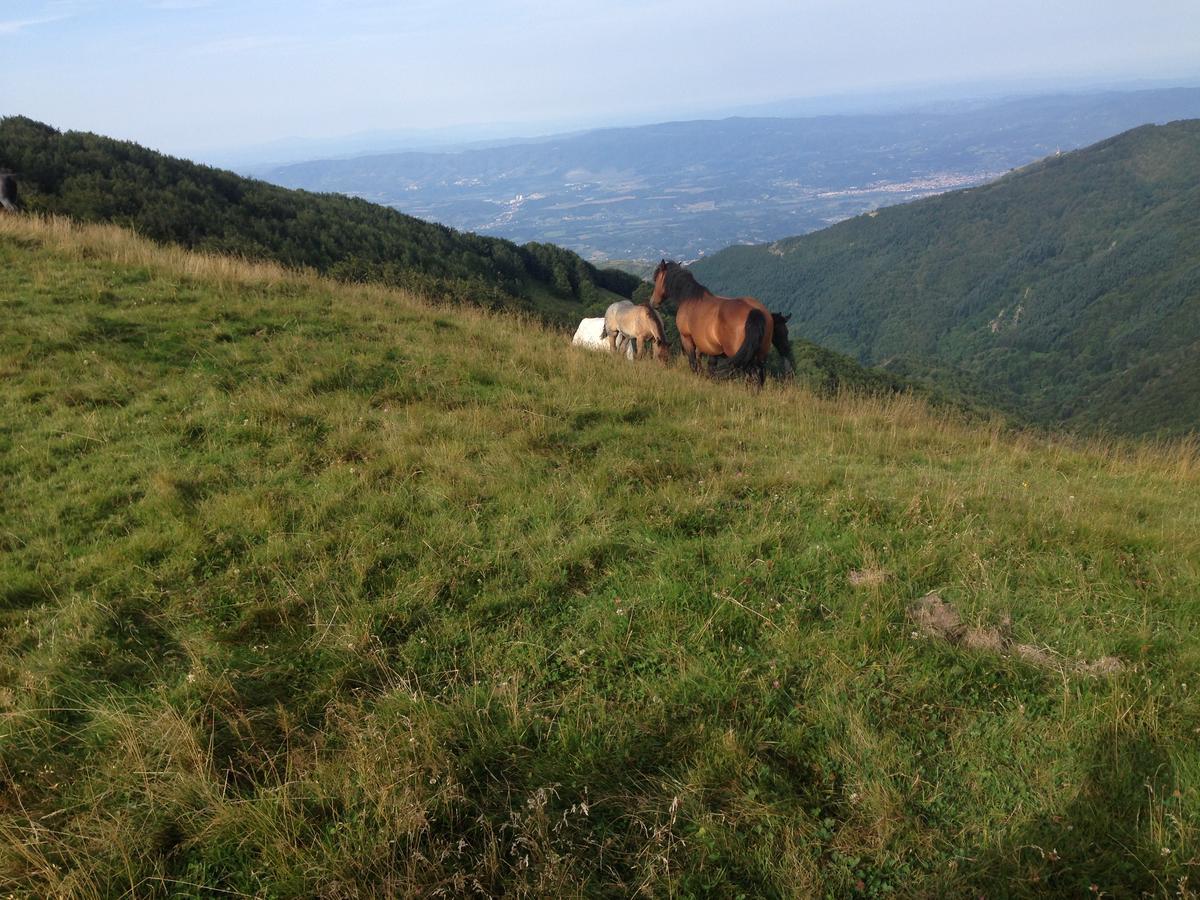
point(935, 618)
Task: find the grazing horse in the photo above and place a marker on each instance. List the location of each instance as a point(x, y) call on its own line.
point(590, 333)
point(630, 321)
point(739, 328)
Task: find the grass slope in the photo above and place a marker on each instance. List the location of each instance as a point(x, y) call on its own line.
point(97, 179)
point(315, 590)
point(1065, 292)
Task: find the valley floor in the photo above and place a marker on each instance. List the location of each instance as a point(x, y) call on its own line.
point(314, 590)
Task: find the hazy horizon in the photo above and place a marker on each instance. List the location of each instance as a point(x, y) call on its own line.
point(205, 78)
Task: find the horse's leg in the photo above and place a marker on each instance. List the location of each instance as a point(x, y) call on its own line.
point(612, 342)
point(689, 348)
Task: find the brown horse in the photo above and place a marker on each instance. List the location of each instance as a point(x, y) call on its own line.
point(628, 321)
point(739, 328)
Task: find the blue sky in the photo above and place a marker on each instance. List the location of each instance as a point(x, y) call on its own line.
point(190, 76)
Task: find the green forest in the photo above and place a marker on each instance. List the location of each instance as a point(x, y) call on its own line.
point(97, 179)
point(1067, 292)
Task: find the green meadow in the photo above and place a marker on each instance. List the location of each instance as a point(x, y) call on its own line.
point(309, 589)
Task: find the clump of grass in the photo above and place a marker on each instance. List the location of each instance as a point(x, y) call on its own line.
point(318, 590)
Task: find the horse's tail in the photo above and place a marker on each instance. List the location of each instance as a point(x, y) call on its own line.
point(756, 330)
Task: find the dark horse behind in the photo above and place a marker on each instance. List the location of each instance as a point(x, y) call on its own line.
point(740, 329)
point(8, 191)
point(779, 337)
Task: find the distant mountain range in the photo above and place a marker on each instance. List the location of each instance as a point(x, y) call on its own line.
point(1067, 292)
point(686, 189)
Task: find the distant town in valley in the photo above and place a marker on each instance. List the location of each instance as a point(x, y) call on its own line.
point(688, 189)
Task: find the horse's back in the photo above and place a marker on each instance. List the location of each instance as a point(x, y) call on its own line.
point(589, 333)
point(757, 304)
point(617, 310)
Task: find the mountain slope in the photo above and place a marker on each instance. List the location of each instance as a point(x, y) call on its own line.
point(1067, 292)
point(97, 179)
point(315, 590)
point(683, 189)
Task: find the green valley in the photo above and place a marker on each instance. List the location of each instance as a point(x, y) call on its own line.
point(1067, 292)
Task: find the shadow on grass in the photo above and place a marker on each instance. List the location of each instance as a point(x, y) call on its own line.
point(1107, 841)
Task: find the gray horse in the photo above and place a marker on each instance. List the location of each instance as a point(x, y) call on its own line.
point(628, 321)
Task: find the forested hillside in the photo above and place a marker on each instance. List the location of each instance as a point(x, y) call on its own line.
point(1067, 292)
point(98, 179)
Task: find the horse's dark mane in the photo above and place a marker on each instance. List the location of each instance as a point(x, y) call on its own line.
point(679, 284)
point(658, 323)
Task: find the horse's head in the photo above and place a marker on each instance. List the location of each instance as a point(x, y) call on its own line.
point(660, 285)
point(674, 283)
point(779, 321)
point(662, 351)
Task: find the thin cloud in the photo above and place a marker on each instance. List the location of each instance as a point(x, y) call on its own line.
point(16, 26)
point(246, 44)
point(178, 4)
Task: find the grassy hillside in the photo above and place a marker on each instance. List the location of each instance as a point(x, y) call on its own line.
point(1067, 292)
point(98, 179)
point(311, 589)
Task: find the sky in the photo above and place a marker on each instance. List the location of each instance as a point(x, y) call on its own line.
point(195, 77)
